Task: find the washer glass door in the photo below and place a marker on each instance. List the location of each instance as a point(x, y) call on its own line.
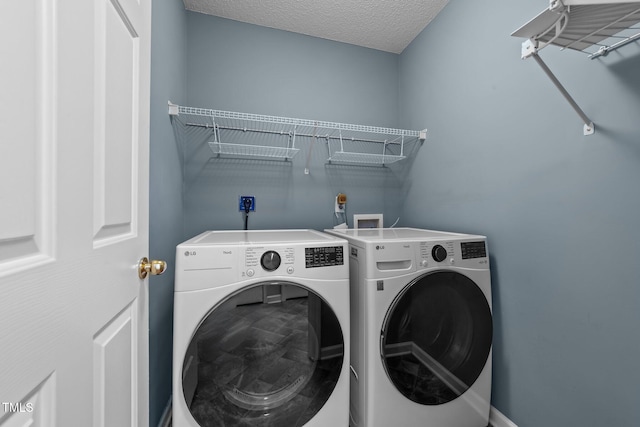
point(269, 355)
point(436, 337)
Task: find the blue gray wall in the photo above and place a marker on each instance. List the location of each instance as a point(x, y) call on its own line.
point(168, 82)
point(506, 157)
point(246, 68)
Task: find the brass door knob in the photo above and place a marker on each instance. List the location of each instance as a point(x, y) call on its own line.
point(155, 267)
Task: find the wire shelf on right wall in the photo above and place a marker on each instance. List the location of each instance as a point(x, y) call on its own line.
point(594, 27)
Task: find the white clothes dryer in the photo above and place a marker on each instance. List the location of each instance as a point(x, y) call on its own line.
point(421, 328)
point(261, 330)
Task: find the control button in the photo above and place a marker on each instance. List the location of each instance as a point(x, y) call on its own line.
point(250, 272)
point(424, 263)
point(270, 260)
point(452, 260)
point(290, 270)
point(439, 253)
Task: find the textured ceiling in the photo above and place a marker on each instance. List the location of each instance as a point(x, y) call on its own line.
point(387, 25)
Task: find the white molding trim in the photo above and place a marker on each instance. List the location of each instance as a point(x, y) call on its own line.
point(498, 419)
point(165, 421)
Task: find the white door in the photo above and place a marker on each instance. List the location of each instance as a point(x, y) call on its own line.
point(74, 141)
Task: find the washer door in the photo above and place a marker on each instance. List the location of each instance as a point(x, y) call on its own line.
point(436, 337)
point(269, 355)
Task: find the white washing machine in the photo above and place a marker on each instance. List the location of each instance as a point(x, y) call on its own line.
point(421, 328)
point(261, 330)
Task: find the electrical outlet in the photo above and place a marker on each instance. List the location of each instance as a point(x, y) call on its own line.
point(253, 203)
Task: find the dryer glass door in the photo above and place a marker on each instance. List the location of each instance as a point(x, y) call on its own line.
point(436, 337)
point(269, 355)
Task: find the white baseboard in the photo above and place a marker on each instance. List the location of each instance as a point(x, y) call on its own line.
point(165, 421)
point(498, 419)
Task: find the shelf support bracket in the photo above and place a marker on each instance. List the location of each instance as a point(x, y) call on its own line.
point(589, 127)
point(174, 110)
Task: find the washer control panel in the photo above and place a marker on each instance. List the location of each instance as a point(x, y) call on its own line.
point(220, 258)
point(325, 256)
point(265, 261)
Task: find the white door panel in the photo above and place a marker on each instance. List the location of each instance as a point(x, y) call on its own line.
point(115, 356)
point(74, 143)
point(27, 135)
point(117, 53)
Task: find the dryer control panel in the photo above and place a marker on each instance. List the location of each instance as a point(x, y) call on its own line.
point(470, 254)
point(472, 250)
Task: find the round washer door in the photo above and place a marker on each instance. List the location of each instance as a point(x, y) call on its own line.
point(436, 337)
point(270, 355)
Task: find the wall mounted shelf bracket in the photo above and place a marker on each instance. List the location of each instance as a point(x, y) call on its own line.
point(589, 127)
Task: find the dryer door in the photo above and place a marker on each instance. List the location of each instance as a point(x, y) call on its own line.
point(436, 337)
point(269, 355)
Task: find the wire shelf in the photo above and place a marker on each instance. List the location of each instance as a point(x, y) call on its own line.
point(588, 26)
point(364, 158)
point(253, 135)
point(247, 150)
point(581, 25)
point(288, 121)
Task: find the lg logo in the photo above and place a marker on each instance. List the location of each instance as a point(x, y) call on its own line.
point(379, 247)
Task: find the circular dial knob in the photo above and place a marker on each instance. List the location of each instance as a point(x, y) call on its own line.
point(439, 253)
point(270, 260)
